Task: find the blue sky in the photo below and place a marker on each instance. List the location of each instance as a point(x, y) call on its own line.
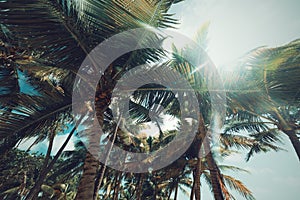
point(236, 27)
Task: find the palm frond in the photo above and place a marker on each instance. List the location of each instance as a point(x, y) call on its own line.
point(248, 126)
point(239, 187)
point(236, 141)
point(42, 30)
point(28, 116)
point(232, 168)
point(273, 72)
point(258, 147)
point(63, 32)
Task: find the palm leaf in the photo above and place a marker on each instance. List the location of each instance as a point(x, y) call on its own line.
point(239, 187)
point(28, 116)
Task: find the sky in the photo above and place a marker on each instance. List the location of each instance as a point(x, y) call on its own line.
point(236, 27)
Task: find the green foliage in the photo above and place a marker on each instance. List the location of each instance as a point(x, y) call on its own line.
point(16, 168)
point(45, 42)
point(20, 170)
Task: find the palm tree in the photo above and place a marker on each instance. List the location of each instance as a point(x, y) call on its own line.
point(47, 41)
point(44, 45)
point(15, 183)
point(195, 77)
point(62, 180)
point(230, 182)
point(266, 101)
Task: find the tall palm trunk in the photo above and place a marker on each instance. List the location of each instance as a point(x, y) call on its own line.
point(155, 189)
point(289, 130)
point(140, 187)
point(90, 181)
point(176, 192)
point(170, 193)
point(196, 189)
point(214, 172)
point(87, 188)
point(294, 140)
point(87, 182)
point(91, 165)
point(197, 182)
point(193, 187)
point(101, 172)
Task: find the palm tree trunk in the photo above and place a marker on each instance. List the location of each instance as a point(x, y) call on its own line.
point(139, 188)
point(176, 192)
point(289, 130)
point(86, 188)
point(196, 190)
point(87, 182)
point(214, 173)
point(91, 164)
point(100, 176)
point(92, 176)
point(170, 193)
point(197, 183)
point(193, 187)
point(294, 140)
point(155, 188)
